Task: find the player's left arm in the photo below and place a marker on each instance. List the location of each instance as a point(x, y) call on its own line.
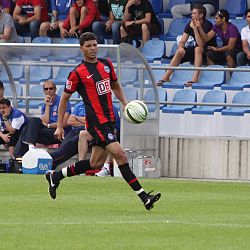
point(118, 92)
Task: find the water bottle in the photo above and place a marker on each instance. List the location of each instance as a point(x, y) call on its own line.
point(53, 19)
point(7, 167)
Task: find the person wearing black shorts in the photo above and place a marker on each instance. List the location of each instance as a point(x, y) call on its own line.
point(194, 53)
point(139, 20)
point(94, 79)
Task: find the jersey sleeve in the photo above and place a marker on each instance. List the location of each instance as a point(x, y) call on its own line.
point(71, 84)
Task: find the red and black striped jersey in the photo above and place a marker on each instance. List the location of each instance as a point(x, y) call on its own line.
point(93, 83)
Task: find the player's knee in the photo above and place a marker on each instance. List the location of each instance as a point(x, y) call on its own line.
point(120, 156)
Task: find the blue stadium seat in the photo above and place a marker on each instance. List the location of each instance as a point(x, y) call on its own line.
point(150, 96)
point(154, 49)
point(238, 80)
point(8, 90)
point(38, 54)
point(16, 70)
point(75, 95)
point(62, 75)
point(158, 73)
point(176, 28)
point(183, 95)
point(68, 54)
point(236, 8)
point(179, 78)
point(38, 74)
point(128, 76)
point(131, 94)
point(210, 79)
point(171, 3)
point(239, 23)
point(157, 6)
point(42, 39)
point(212, 96)
point(35, 91)
point(242, 97)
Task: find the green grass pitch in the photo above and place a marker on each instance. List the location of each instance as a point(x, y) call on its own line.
point(104, 213)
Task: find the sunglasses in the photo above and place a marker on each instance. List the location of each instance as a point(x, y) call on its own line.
point(48, 88)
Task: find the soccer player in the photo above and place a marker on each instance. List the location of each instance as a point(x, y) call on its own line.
point(94, 79)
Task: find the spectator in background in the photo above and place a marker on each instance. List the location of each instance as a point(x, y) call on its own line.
point(243, 58)
point(6, 5)
point(139, 20)
point(103, 7)
point(230, 37)
point(196, 52)
point(69, 146)
point(28, 15)
point(41, 130)
point(12, 121)
point(80, 18)
point(1, 90)
point(112, 26)
point(7, 28)
point(60, 10)
point(182, 10)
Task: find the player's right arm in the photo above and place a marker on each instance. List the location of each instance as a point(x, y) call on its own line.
point(59, 133)
point(118, 92)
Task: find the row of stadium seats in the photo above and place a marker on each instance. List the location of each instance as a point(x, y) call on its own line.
point(130, 76)
point(211, 96)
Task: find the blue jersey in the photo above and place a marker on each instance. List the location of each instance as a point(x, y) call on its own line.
point(79, 110)
point(53, 112)
point(17, 119)
point(62, 7)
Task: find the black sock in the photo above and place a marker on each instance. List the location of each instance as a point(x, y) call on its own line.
point(131, 179)
point(77, 168)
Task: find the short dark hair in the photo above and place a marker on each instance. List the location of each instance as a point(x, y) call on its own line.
point(201, 9)
point(87, 36)
point(223, 13)
point(1, 85)
point(5, 101)
point(247, 11)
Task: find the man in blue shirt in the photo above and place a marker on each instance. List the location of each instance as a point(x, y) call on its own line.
point(69, 146)
point(41, 130)
point(11, 123)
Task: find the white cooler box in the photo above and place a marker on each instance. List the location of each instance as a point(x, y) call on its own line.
point(36, 161)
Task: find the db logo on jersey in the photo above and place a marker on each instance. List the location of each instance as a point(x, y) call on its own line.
point(68, 84)
point(103, 86)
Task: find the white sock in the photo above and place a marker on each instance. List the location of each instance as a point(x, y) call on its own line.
point(106, 165)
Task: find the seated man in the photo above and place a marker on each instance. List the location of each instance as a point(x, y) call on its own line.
point(28, 14)
point(69, 146)
point(139, 20)
point(182, 10)
point(243, 58)
point(12, 121)
point(80, 18)
point(194, 53)
point(112, 26)
point(41, 130)
point(230, 37)
point(7, 28)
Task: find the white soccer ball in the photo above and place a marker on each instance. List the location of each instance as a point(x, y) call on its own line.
point(136, 112)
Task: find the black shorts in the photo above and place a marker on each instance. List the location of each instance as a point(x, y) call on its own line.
point(103, 134)
point(220, 57)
